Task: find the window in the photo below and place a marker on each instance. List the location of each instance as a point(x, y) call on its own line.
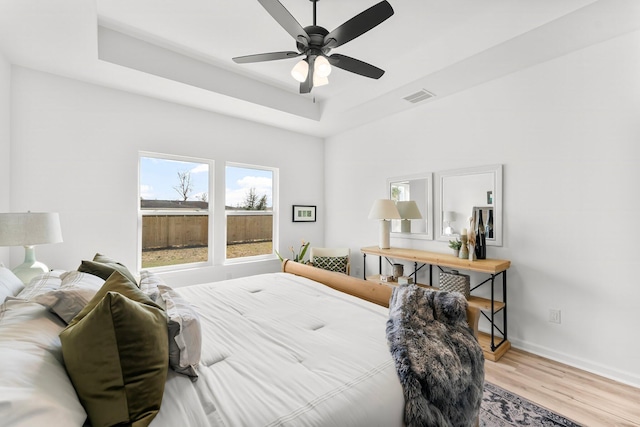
point(250, 201)
point(174, 210)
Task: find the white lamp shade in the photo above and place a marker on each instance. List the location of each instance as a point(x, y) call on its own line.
point(300, 70)
point(29, 228)
point(409, 210)
point(384, 209)
point(321, 67)
point(319, 81)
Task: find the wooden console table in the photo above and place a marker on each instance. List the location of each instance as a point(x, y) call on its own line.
point(493, 267)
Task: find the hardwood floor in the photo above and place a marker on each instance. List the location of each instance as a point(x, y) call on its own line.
point(585, 398)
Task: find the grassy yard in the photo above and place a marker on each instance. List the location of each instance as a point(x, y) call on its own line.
point(162, 257)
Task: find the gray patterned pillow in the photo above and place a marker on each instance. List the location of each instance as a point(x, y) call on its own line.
point(185, 336)
point(72, 296)
point(183, 324)
point(149, 284)
point(41, 284)
point(331, 263)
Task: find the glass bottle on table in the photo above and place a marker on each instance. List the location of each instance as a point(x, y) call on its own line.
point(490, 225)
point(481, 238)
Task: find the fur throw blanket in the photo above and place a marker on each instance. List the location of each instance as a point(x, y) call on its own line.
point(440, 363)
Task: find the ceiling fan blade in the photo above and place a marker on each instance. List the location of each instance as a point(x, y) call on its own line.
point(260, 57)
point(307, 85)
point(285, 19)
point(353, 65)
point(359, 24)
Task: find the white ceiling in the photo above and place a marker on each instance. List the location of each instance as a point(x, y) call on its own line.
point(181, 50)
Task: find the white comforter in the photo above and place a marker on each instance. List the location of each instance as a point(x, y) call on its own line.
point(284, 350)
point(277, 350)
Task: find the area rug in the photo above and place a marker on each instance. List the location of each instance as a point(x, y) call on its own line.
point(503, 408)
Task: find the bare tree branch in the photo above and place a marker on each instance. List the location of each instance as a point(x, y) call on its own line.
point(184, 187)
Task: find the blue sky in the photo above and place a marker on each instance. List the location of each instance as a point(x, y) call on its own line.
point(240, 180)
point(159, 176)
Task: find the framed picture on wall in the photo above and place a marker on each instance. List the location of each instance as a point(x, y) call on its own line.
point(303, 213)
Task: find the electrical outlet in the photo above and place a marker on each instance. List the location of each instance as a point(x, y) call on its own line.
point(554, 316)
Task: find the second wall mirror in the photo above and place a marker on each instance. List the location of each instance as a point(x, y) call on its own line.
point(413, 195)
point(463, 193)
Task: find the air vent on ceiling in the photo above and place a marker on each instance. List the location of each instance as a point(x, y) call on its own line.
point(422, 95)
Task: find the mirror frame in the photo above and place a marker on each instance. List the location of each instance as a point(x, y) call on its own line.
point(497, 199)
point(428, 235)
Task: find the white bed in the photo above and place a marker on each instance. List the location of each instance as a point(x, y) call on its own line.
point(277, 349)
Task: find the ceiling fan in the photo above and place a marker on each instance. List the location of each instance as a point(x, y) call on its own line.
point(316, 42)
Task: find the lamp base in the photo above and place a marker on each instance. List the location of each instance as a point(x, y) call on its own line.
point(30, 268)
point(384, 237)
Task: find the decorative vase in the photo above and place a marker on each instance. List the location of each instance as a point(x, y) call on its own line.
point(398, 271)
point(464, 250)
point(456, 252)
point(471, 240)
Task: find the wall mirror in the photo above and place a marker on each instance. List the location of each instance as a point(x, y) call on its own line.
point(465, 193)
point(413, 195)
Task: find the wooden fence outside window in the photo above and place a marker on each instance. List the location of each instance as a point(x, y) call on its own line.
point(176, 231)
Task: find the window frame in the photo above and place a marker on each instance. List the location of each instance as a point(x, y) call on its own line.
point(209, 212)
point(274, 211)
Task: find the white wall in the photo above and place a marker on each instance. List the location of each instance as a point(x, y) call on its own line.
point(567, 132)
point(5, 138)
point(75, 150)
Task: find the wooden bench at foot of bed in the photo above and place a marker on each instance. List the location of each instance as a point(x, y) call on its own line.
point(366, 290)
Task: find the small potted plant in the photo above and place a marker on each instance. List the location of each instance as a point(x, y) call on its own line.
point(455, 245)
point(297, 257)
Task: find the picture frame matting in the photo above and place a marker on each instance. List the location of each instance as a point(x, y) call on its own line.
point(304, 213)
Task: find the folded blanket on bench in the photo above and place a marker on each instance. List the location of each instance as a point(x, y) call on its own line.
point(439, 362)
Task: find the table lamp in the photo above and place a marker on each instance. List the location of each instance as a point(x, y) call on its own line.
point(408, 210)
point(385, 210)
point(29, 229)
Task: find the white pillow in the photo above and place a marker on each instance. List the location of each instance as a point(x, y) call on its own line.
point(34, 387)
point(75, 291)
point(10, 285)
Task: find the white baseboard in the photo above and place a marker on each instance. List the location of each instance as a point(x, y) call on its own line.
point(576, 362)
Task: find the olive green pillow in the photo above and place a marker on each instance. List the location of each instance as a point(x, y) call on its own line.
point(102, 266)
point(116, 354)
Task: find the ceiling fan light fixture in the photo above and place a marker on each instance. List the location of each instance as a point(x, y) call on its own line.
point(315, 42)
point(321, 67)
point(319, 81)
point(300, 71)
